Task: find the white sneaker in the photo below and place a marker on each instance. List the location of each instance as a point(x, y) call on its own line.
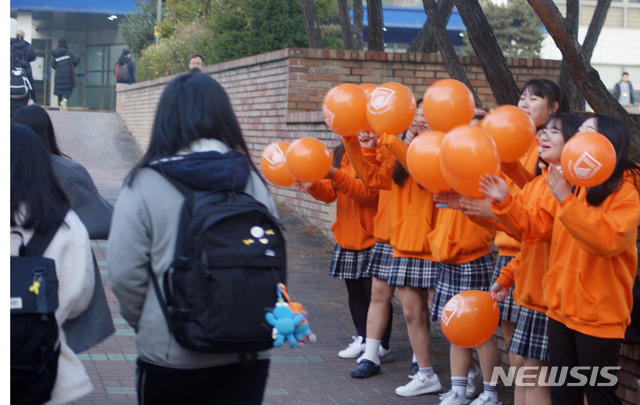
point(384, 354)
point(419, 385)
point(484, 399)
point(450, 398)
point(354, 350)
point(63, 105)
point(474, 382)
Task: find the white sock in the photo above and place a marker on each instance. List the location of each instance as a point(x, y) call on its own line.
point(371, 350)
point(459, 386)
point(491, 389)
point(413, 358)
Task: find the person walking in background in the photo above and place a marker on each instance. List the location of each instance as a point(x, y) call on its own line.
point(64, 63)
point(196, 139)
point(196, 61)
point(125, 69)
point(20, 62)
point(623, 91)
point(95, 324)
point(37, 202)
point(19, 86)
point(19, 44)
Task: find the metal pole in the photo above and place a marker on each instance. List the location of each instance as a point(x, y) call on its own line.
point(158, 19)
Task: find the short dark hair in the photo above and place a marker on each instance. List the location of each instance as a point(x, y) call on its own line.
point(62, 41)
point(35, 192)
point(125, 51)
point(625, 73)
point(196, 55)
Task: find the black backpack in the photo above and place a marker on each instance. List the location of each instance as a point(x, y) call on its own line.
point(122, 73)
point(20, 86)
point(35, 346)
point(230, 256)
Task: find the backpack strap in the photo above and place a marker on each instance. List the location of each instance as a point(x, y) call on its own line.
point(40, 240)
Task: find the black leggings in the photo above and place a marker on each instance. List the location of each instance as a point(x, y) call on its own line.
point(359, 292)
point(569, 348)
point(230, 384)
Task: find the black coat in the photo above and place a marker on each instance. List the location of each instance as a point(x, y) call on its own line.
point(61, 63)
point(28, 53)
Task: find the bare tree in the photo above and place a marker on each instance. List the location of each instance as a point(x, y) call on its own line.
point(374, 18)
point(311, 25)
point(439, 31)
point(347, 29)
point(498, 74)
point(424, 42)
point(358, 14)
point(584, 75)
point(595, 27)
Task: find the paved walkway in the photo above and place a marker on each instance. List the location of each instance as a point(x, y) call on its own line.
point(313, 374)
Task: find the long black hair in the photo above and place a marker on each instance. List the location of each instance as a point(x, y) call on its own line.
point(569, 125)
point(37, 118)
point(193, 106)
point(617, 132)
point(36, 196)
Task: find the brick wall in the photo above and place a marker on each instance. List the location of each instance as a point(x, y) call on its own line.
point(278, 96)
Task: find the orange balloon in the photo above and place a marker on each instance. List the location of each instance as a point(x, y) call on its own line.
point(448, 103)
point(470, 318)
point(468, 153)
point(512, 129)
point(308, 159)
point(343, 109)
point(273, 163)
point(391, 108)
point(423, 161)
point(463, 187)
point(368, 89)
point(588, 159)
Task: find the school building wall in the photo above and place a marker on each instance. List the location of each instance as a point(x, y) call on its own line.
point(278, 96)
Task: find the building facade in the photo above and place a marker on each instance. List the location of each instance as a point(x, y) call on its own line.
point(91, 30)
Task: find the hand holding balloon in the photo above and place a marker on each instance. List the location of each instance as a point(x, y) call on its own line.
point(559, 186)
point(447, 199)
point(498, 292)
point(367, 139)
point(493, 187)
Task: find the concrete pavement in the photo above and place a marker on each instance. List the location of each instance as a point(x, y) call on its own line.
point(313, 374)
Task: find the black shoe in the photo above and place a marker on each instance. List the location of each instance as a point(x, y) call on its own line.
point(365, 369)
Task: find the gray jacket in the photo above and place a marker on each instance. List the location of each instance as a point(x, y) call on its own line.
point(143, 233)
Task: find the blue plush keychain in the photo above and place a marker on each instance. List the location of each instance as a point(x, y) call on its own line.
point(289, 321)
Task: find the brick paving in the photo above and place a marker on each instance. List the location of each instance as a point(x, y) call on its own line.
point(312, 374)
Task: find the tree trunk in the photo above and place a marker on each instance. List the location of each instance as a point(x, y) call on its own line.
point(311, 25)
point(374, 18)
point(424, 42)
point(451, 61)
point(584, 75)
point(595, 27)
point(572, 20)
point(358, 14)
point(347, 33)
point(498, 74)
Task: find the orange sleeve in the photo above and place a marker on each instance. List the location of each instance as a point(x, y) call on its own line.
point(353, 188)
point(517, 172)
point(506, 277)
point(371, 174)
point(322, 191)
point(397, 147)
point(491, 223)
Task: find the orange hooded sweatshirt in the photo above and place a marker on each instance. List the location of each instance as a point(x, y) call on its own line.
point(592, 258)
point(356, 206)
point(412, 210)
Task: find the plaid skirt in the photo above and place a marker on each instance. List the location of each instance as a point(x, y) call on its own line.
point(530, 335)
point(349, 264)
point(413, 272)
point(381, 261)
point(455, 278)
point(508, 307)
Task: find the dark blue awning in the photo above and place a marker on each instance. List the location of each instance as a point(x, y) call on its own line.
point(404, 17)
point(77, 6)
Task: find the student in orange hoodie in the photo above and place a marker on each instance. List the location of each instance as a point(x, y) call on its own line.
point(353, 233)
point(524, 273)
point(592, 264)
point(413, 269)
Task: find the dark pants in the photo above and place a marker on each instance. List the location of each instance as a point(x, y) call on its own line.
point(231, 384)
point(568, 348)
